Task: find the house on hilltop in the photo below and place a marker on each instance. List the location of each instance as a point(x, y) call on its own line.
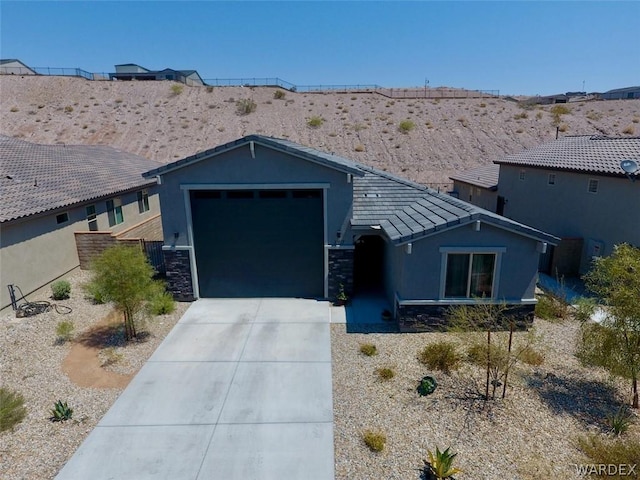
point(627, 93)
point(131, 71)
point(13, 66)
point(576, 189)
point(262, 216)
point(62, 204)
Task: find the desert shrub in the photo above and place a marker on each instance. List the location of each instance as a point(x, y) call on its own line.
point(531, 356)
point(359, 148)
point(521, 115)
point(560, 109)
point(60, 289)
point(629, 130)
point(279, 94)
point(620, 421)
point(93, 292)
point(315, 121)
point(550, 307)
point(245, 106)
point(610, 451)
point(14, 109)
point(375, 440)
point(440, 464)
point(584, 308)
point(12, 409)
point(64, 330)
point(406, 126)
point(563, 127)
point(68, 109)
point(385, 373)
point(161, 301)
point(177, 89)
point(110, 356)
point(477, 354)
point(368, 349)
point(441, 356)
point(61, 412)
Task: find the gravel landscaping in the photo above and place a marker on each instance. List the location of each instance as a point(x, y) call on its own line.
point(530, 434)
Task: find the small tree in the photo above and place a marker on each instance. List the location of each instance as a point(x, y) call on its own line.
point(124, 277)
point(615, 343)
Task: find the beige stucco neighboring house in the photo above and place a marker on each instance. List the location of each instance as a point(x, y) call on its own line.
point(59, 203)
point(13, 66)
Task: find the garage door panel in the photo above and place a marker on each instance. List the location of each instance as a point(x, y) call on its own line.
point(259, 246)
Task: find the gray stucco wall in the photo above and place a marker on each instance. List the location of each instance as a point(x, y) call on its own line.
point(568, 210)
point(418, 275)
point(482, 197)
point(237, 167)
point(36, 251)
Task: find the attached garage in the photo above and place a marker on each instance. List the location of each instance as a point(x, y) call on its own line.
point(259, 243)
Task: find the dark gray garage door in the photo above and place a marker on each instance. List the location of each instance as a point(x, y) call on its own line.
point(259, 243)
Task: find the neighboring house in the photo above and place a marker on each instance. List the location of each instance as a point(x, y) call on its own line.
point(626, 93)
point(13, 66)
point(60, 204)
point(575, 188)
point(479, 187)
point(131, 71)
point(262, 216)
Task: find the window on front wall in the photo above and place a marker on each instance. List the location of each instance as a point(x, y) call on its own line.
point(469, 275)
point(92, 219)
point(593, 185)
point(552, 179)
point(114, 212)
point(143, 201)
point(522, 175)
point(62, 218)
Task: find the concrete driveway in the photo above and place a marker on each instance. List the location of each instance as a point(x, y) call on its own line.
point(239, 389)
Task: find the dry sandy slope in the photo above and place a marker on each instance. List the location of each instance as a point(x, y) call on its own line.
point(148, 119)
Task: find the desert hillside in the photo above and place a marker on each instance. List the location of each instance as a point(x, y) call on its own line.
point(164, 121)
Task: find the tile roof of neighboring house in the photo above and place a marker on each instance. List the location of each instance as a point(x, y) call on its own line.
point(485, 176)
point(404, 210)
point(588, 154)
point(37, 178)
point(624, 89)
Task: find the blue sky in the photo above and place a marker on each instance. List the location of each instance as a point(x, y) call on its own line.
point(517, 47)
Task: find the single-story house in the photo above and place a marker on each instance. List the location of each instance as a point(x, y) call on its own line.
point(627, 93)
point(131, 71)
point(13, 66)
point(262, 216)
point(576, 188)
point(62, 204)
point(479, 186)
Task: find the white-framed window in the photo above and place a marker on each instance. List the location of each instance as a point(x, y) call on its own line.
point(593, 185)
point(470, 272)
point(551, 179)
point(62, 218)
point(92, 218)
point(522, 175)
point(143, 201)
point(114, 212)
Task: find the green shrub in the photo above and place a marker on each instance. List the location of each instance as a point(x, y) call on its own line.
point(161, 302)
point(427, 385)
point(279, 94)
point(441, 356)
point(406, 126)
point(245, 106)
point(12, 409)
point(177, 89)
point(620, 421)
point(315, 121)
point(94, 292)
point(531, 356)
point(60, 290)
point(61, 412)
point(385, 373)
point(375, 440)
point(477, 354)
point(560, 109)
point(440, 464)
point(64, 330)
point(550, 307)
point(368, 349)
point(610, 451)
point(584, 308)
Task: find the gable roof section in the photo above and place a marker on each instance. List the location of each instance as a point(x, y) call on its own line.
point(407, 211)
point(484, 177)
point(306, 153)
point(38, 178)
point(586, 154)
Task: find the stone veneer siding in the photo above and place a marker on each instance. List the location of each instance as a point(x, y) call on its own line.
point(179, 279)
point(432, 318)
point(340, 271)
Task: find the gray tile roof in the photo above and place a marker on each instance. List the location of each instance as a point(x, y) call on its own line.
point(588, 154)
point(404, 210)
point(37, 178)
point(485, 176)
